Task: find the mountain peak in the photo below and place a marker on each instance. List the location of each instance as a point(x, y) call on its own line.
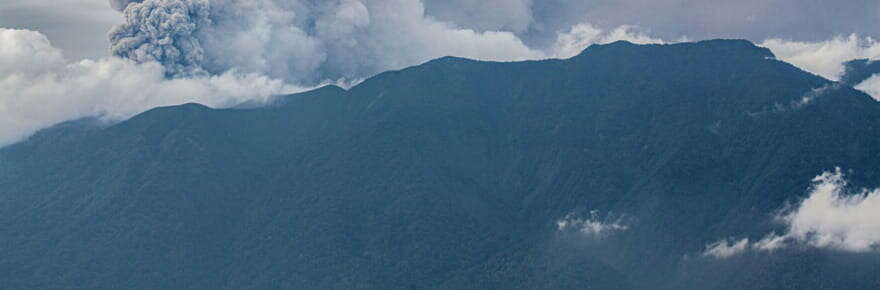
point(449, 60)
point(728, 47)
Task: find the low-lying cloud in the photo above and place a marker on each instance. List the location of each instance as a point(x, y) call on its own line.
point(825, 58)
point(39, 87)
point(828, 58)
point(833, 216)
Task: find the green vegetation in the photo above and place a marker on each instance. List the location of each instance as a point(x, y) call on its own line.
point(450, 175)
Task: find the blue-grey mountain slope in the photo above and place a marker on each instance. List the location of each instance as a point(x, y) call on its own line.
point(452, 175)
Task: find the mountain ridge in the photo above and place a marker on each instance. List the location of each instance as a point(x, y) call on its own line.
point(451, 175)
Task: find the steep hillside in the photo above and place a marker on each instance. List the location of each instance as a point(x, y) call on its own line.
point(453, 174)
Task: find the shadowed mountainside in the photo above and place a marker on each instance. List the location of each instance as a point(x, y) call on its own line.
point(452, 175)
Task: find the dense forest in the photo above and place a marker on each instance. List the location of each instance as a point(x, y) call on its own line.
point(613, 169)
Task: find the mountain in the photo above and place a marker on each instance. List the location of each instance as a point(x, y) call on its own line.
point(454, 174)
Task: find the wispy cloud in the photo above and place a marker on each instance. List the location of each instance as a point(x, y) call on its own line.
point(726, 248)
point(571, 42)
point(594, 225)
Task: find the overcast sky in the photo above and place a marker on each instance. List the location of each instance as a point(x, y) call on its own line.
point(80, 27)
point(77, 26)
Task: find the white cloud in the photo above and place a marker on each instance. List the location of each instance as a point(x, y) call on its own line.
point(831, 217)
point(808, 98)
point(40, 88)
point(593, 226)
point(726, 248)
point(824, 58)
point(871, 86)
point(771, 242)
point(579, 37)
point(812, 95)
point(827, 58)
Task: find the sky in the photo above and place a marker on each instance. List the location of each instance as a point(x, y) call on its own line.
point(62, 60)
point(79, 27)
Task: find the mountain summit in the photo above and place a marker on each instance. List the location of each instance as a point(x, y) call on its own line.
point(610, 170)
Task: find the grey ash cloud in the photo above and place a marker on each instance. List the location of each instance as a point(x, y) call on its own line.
point(163, 31)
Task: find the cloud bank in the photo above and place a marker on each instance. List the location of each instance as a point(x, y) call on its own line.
point(825, 58)
point(828, 58)
point(40, 88)
point(833, 216)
